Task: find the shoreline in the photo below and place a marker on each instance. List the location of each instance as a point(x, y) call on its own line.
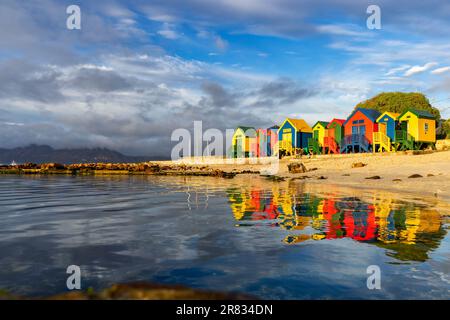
point(423, 174)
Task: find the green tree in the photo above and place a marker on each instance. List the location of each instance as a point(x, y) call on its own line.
point(446, 128)
point(399, 102)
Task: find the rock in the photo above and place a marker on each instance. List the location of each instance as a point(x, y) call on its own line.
point(397, 180)
point(430, 175)
point(346, 175)
point(322, 178)
point(374, 177)
point(358, 164)
point(52, 166)
point(297, 167)
point(415, 176)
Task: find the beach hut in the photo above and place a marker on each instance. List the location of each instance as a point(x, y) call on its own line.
point(334, 134)
point(416, 129)
point(315, 143)
point(293, 136)
point(358, 130)
point(385, 136)
point(243, 142)
point(258, 145)
point(272, 140)
point(265, 142)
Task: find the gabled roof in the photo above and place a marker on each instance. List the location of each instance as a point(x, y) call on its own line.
point(393, 115)
point(248, 131)
point(322, 123)
point(299, 125)
point(418, 113)
point(372, 114)
point(340, 121)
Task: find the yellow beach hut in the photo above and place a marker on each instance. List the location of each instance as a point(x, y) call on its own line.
point(315, 144)
point(416, 129)
point(243, 139)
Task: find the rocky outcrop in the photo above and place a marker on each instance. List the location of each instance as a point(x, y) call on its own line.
point(297, 167)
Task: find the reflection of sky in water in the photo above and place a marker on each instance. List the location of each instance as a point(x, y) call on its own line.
point(273, 240)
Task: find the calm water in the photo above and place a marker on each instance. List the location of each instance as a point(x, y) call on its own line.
point(280, 240)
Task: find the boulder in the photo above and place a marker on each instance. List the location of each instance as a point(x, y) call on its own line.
point(297, 167)
point(358, 165)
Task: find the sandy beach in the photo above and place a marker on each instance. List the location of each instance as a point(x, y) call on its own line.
point(425, 174)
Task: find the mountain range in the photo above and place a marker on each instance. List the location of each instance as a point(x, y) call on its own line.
point(45, 154)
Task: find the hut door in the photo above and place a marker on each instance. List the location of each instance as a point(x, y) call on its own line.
point(287, 137)
point(382, 127)
point(316, 134)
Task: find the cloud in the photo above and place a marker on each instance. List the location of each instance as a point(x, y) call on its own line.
point(440, 70)
point(168, 32)
point(419, 69)
point(221, 43)
point(396, 70)
point(342, 30)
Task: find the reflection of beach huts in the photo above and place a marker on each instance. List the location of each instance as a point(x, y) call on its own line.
point(293, 136)
point(416, 129)
point(359, 128)
point(334, 134)
point(315, 143)
point(243, 141)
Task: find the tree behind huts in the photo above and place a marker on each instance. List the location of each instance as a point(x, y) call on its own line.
point(399, 102)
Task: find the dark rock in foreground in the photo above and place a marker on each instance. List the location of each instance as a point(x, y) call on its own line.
point(141, 291)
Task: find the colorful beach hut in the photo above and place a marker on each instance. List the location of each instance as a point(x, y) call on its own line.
point(384, 138)
point(293, 136)
point(359, 128)
point(334, 134)
point(272, 140)
point(243, 142)
point(416, 129)
point(315, 143)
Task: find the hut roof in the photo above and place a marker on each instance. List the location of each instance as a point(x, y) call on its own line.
point(299, 125)
point(372, 114)
point(393, 115)
point(340, 121)
point(248, 131)
point(419, 113)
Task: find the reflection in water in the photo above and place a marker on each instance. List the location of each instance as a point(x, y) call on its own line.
point(407, 229)
point(180, 230)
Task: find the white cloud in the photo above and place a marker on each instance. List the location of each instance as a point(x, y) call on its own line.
point(396, 70)
point(221, 43)
point(341, 30)
point(440, 70)
point(419, 69)
point(168, 32)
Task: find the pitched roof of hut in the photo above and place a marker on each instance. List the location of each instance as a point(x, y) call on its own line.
point(340, 121)
point(419, 113)
point(299, 125)
point(372, 114)
point(248, 131)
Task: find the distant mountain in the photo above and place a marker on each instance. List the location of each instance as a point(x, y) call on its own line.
point(45, 154)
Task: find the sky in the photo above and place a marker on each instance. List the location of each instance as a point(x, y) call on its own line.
point(138, 70)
